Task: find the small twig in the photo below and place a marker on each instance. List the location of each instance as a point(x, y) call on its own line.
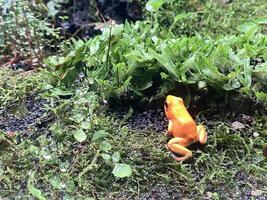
point(19, 39)
point(27, 31)
point(98, 13)
point(109, 44)
point(89, 167)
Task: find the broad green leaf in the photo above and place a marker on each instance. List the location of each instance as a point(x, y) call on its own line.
point(34, 191)
point(181, 16)
point(116, 156)
point(34, 150)
point(105, 156)
point(261, 20)
point(86, 125)
point(94, 46)
point(80, 135)
point(122, 170)
point(55, 182)
point(78, 118)
point(60, 92)
point(105, 146)
point(166, 62)
point(54, 61)
point(154, 5)
point(101, 134)
point(247, 26)
point(70, 186)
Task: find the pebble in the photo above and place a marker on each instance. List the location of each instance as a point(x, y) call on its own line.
point(237, 125)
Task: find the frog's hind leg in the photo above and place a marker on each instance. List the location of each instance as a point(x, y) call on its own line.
point(202, 134)
point(178, 146)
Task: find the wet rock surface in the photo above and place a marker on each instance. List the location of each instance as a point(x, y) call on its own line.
point(23, 115)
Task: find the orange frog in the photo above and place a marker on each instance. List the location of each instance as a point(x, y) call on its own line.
point(182, 128)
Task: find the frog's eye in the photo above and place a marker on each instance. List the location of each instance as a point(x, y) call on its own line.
point(166, 104)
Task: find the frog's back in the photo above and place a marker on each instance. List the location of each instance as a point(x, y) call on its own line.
point(185, 128)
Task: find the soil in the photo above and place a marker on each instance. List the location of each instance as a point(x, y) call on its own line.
point(150, 120)
point(152, 117)
point(25, 116)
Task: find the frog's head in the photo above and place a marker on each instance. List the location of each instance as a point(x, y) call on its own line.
point(172, 105)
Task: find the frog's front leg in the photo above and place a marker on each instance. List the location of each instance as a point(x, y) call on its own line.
point(202, 134)
point(169, 131)
point(178, 146)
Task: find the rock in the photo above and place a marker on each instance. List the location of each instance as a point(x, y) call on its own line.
point(245, 119)
point(226, 1)
point(237, 126)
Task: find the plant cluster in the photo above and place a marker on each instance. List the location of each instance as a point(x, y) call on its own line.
point(83, 155)
point(76, 153)
point(16, 85)
point(24, 34)
point(210, 17)
point(135, 58)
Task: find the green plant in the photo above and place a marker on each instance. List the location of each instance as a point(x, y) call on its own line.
point(86, 126)
point(141, 59)
point(24, 35)
point(211, 18)
point(15, 86)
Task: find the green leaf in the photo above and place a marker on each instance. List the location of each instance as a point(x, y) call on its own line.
point(116, 157)
point(166, 61)
point(144, 80)
point(86, 125)
point(99, 135)
point(80, 135)
point(78, 118)
point(105, 156)
point(55, 182)
point(154, 5)
point(34, 191)
point(105, 146)
point(247, 26)
point(60, 92)
point(33, 150)
point(261, 20)
point(181, 16)
point(94, 46)
point(122, 170)
point(70, 186)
